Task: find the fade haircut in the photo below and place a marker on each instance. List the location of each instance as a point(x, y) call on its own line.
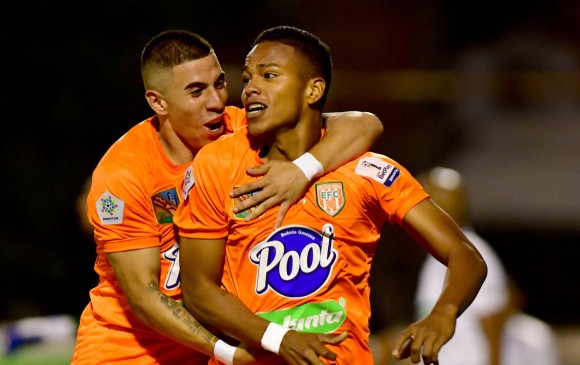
point(169, 49)
point(308, 45)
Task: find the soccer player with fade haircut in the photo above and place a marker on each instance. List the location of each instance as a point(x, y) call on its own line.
point(135, 314)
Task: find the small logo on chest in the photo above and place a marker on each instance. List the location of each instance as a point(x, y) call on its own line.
point(330, 197)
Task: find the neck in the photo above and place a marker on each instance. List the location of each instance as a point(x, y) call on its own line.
point(290, 143)
point(178, 152)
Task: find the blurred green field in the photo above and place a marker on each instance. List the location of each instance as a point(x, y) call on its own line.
point(40, 354)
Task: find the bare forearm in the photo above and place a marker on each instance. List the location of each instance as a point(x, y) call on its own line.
point(348, 135)
point(228, 314)
point(170, 318)
point(466, 272)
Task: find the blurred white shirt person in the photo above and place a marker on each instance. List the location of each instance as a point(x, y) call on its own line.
point(526, 339)
point(477, 335)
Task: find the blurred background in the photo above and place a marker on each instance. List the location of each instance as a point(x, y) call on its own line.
point(491, 89)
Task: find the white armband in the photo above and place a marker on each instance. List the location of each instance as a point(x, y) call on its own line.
point(309, 165)
point(272, 338)
point(224, 352)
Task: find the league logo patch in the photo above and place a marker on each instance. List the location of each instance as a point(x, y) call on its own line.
point(188, 182)
point(164, 205)
point(330, 197)
point(378, 170)
point(110, 209)
point(239, 199)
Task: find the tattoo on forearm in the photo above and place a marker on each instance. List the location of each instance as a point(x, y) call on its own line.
point(182, 314)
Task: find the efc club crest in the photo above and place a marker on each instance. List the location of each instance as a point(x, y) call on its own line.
point(330, 197)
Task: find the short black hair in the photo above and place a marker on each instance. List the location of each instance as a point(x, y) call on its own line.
point(310, 46)
point(171, 48)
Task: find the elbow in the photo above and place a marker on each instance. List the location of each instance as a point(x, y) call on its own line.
point(484, 271)
point(140, 309)
point(200, 309)
point(481, 269)
point(375, 126)
point(378, 125)
point(475, 263)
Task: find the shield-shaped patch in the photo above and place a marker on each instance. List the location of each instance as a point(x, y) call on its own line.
point(164, 205)
point(239, 199)
point(330, 197)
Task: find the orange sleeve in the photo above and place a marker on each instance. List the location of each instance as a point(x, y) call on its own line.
point(120, 209)
point(202, 213)
point(398, 191)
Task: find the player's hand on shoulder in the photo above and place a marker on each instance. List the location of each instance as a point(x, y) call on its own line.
point(281, 183)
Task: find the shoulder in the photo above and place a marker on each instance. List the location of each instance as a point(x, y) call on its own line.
point(234, 118)
point(228, 148)
point(128, 156)
point(380, 168)
point(136, 141)
point(233, 141)
point(235, 112)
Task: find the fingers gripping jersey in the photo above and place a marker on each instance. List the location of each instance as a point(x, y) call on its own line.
point(133, 198)
point(311, 274)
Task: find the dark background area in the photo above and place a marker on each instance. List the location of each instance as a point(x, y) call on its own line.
point(71, 86)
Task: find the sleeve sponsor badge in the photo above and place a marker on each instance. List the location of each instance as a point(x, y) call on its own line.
point(110, 209)
point(188, 182)
point(378, 170)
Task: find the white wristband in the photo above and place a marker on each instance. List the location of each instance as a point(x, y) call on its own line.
point(272, 338)
point(309, 165)
point(224, 352)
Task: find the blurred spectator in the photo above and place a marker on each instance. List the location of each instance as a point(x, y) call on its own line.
point(382, 343)
point(526, 340)
point(477, 336)
point(42, 330)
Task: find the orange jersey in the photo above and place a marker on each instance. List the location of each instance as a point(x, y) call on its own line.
point(133, 197)
point(311, 274)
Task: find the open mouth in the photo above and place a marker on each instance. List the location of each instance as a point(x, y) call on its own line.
point(254, 109)
point(215, 126)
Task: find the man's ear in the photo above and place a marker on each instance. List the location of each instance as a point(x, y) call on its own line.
point(315, 89)
point(156, 102)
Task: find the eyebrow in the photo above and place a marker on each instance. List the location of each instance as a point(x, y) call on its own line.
point(264, 65)
point(199, 84)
